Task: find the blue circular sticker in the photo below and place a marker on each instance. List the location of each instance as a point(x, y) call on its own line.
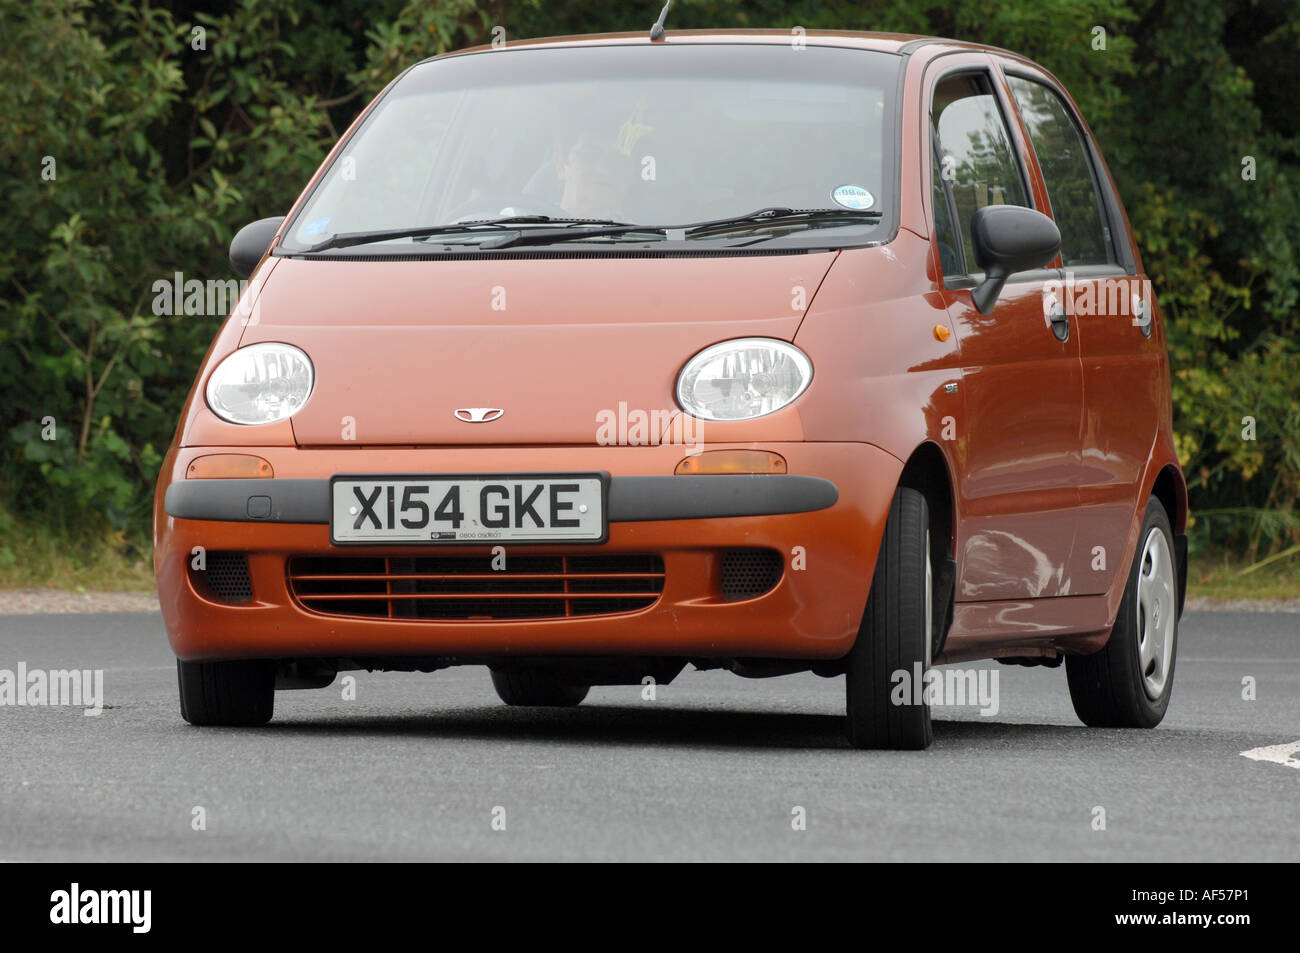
point(853, 196)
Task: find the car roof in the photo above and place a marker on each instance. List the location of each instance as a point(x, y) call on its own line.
point(899, 43)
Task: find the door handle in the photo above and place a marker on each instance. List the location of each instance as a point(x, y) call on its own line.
point(1141, 317)
point(1060, 321)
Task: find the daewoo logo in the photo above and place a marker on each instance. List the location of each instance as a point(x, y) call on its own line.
point(478, 415)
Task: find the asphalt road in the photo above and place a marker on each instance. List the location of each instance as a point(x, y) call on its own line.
point(713, 769)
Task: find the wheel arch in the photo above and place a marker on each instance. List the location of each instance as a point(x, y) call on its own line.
point(1170, 488)
point(927, 472)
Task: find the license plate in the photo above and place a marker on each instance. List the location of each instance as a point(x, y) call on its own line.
point(510, 507)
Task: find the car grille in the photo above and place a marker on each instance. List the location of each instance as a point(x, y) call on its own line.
point(467, 587)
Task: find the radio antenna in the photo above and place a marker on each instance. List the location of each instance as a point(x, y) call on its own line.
point(657, 31)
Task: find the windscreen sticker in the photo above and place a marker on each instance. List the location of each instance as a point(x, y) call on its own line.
point(314, 228)
point(853, 196)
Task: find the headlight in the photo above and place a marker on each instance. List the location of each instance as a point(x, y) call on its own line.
point(260, 384)
point(744, 378)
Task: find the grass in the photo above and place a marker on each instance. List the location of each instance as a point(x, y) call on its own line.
point(1217, 575)
point(31, 557)
point(34, 557)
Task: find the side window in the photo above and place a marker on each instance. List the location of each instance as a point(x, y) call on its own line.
point(977, 158)
point(1067, 172)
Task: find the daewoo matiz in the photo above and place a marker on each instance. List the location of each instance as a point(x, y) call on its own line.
point(587, 359)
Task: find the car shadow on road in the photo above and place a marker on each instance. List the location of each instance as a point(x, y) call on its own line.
point(649, 725)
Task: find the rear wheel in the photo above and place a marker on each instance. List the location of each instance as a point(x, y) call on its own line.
point(885, 687)
point(226, 693)
point(1127, 684)
point(533, 687)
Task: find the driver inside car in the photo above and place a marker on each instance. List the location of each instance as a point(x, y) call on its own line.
point(590, 168)
point(594, 179)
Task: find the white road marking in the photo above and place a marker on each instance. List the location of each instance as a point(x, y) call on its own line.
point(1253, 660)
point(1287, 754)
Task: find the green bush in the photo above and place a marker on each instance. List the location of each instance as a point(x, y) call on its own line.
point(169, 127)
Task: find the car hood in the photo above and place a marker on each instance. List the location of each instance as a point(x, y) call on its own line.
point(553, 342)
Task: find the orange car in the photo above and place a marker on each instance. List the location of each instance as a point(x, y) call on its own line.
point(590, 358)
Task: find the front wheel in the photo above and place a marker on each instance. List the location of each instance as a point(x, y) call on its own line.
point(1127, 683)
point(886, 697)
point(226, 693)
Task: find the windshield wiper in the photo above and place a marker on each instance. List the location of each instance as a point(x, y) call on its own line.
point(547, 236)
point(577, 229)
point(349, 239)
point(765, 216)
point(779, 215)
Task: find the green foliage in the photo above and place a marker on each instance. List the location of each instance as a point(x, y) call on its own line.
point(134, 142)
point(166, 139)
point(1220, 247)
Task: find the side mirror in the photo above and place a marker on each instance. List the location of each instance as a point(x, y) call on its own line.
point(1008, 239)
point(251, 243)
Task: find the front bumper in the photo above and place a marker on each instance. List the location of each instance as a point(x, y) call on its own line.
point(632, 499)
point(826, 518)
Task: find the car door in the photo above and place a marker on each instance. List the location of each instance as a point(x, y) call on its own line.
point(1018, 444)
point(1120, 353)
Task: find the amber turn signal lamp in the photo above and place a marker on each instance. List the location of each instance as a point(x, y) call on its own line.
point(941, 332)
point(732, 461)
point(228, 466)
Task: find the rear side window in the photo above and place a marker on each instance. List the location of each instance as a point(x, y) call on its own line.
point(977, 161)
point(1067, 172)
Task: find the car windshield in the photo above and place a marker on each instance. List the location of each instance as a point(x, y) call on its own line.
point(656, 135)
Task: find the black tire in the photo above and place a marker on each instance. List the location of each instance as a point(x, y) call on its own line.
point(226, 693)
point(535, 688)
point(895, 635)
point(1110, 688)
